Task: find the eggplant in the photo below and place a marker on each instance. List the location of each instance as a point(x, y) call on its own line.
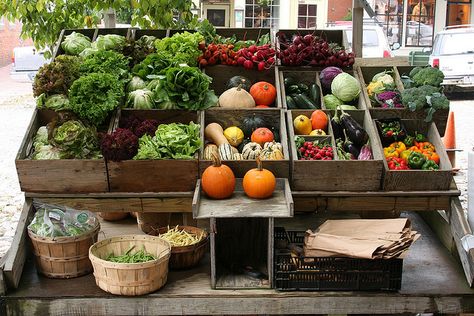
point(336, 125)
point(350, 147)
point(355, 131)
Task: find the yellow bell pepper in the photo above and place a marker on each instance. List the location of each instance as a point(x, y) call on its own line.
point(399, 147)
point(404, 154)
point(390, 152)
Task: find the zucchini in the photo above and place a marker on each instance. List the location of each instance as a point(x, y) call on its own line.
point(290, 103)
point(289, 81)
point(314, 93)
point(293, 89)
point(303, 88)
point(303, 102)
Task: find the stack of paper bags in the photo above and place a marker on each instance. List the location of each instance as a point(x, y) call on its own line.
point(356, 238)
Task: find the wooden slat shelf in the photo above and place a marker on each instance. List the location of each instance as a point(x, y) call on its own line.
point(433, 282)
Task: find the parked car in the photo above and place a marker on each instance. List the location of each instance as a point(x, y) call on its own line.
point(374, 40)
point(26, 61)
point(453, 53)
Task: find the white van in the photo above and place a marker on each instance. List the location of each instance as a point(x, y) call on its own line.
point(453, 53)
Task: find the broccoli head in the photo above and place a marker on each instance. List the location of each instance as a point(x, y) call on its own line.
point(414, 71)
point(415, 98)
point(428, 76)
point(436, 101)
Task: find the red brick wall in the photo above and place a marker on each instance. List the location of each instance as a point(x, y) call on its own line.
point(9, 39)
point(337, 9)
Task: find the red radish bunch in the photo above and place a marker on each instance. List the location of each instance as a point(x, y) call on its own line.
point(313, 51)
point(313, 151)
point(263, 57)
point(217, 54)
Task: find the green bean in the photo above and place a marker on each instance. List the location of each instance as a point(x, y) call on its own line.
point(137, 257)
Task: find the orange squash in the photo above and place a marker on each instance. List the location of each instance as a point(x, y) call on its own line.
point(218, 180)
point(319, 120)
point(261, 136)
point(259, 183)
point(264, 93)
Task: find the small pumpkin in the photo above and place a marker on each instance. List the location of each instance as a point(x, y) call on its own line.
point(259, 183)
point(251, 123)
point(235, 81)
point(262, 135)
point(319, 120)
point(226, 151)
point(262, 106)
point(218, 180)
point(209, 151)
point(235, 98)
point(302, 125)
point(215, 133)
point(251, 150)
point(317, 132)
point(234, 135)
point(263, 93)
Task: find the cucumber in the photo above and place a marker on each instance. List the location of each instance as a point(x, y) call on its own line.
point(303, 88)
point(303, 102)
point(293, 89)
point(314, 93)
point(290, 103)
point(289, 81)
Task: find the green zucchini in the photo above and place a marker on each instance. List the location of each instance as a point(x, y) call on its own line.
point(290, 103)
point(314, 93)
point(293, 89)
point(289, 81)
point(303, 88)
point(303, 102)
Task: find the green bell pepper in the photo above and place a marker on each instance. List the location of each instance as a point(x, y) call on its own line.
point(430, 165)
point(416, 160)
point(409, 141)
point(420, 137)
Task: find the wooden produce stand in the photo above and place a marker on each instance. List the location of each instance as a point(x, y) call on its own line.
point(433, 280)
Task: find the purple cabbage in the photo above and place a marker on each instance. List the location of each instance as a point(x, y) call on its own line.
point(327, 75)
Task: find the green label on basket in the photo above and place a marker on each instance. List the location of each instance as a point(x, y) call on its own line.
point(82, 217)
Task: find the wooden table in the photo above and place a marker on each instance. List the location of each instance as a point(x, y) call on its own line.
point(433, 282)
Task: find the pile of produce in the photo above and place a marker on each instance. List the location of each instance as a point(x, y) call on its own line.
point(242, 94)
point(313, 150)
point(317, 125)
point(414, 152)
point(58, 221)
point(312, 50)
point(344, 89)
point(180, 237)
point(139, 256)
point(300, 95)
point(352, 140)
point(423, 91)
point(251, 140)
point(382, 91)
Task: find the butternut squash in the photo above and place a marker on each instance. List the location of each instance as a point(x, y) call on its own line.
point(215, 133)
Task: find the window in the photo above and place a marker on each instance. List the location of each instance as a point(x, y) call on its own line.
point(420, 22)
point(389, 13)
point(262, 15)
point(307, 16)
point(459, 12)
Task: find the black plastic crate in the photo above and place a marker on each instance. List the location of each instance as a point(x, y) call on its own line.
point(330, 273)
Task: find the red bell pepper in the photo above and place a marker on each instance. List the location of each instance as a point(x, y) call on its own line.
point(395, 163)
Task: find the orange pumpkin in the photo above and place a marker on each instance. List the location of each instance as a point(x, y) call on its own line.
point(262, 106)
point(218, 180)
point(259, 183)
point(319, 120)
point(264, 93)
point(261, 136)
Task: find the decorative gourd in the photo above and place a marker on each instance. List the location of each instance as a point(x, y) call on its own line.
point(242, 144)
point(263, 93)
point(236, 97)
point(234, 135)
point(215, 133)
point(262, 135)
point(273, 146)
point(302, 125)
point(251, 123)
point(259, 183)
point(234, 150)
point(238, 156)
point(235, 81)
point(218, 180)
point(271, 153)
point(226, 152)
point(251, 150)
point(317, 132)
point(209, 151)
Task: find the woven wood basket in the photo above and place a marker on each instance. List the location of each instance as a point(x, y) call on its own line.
point(185, 257)
point(63, 257)
point(113, 216)
point(130, 279)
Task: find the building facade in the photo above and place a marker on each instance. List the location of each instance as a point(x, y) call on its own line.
point(9, 39)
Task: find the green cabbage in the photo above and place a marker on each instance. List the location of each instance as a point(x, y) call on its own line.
point(75, 43)
point(110, 42)
point(331, 102)
point(141, 99)
point(136, 83)
point(345, 87)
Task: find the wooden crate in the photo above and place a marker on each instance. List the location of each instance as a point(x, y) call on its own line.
point(336, 175)
point(306, 76)
point(165, 175)
point(220, 74)
point(440, 117)
point(113, 30)
point(90, 33)
point(421, 180)
point(275, 119)
point(57, 176)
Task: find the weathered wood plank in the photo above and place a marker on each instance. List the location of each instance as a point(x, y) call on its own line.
point(119, 195)
point(382, 62)
point(17, 253)
point(460, 228)
point(170, 205)
point(98, 204)
point(438, 222)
